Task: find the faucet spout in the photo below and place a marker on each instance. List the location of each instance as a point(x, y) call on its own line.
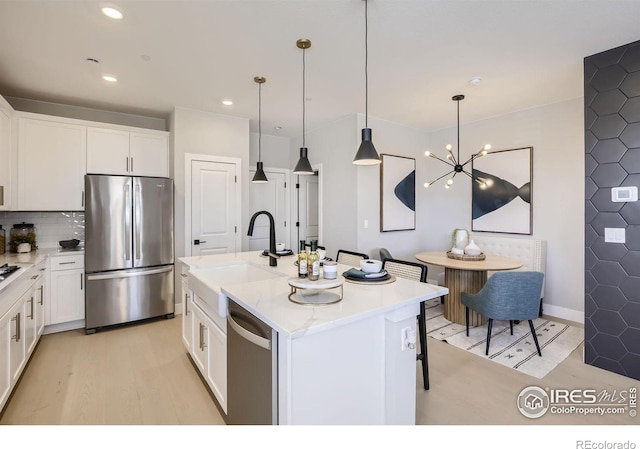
point(273, 257)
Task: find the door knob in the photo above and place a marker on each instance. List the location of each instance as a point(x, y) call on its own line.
point(197, 242)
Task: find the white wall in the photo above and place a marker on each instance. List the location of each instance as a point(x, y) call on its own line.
point(203, 132)
point(398, 140)
point(333, 145)
point(275, 151)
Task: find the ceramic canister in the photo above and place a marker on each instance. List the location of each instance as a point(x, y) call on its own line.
point(330, 270)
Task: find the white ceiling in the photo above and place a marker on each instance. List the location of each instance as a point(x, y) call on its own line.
point(421, 53)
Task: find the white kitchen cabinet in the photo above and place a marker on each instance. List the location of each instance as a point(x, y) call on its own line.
point(5, 156)
point(30, 326)
point(121, 152)
point(209, 352)
point(66, 290)
point(187, 316)
point(6, 328)
point(51, 165)
point(40, 298)
point(17, 348)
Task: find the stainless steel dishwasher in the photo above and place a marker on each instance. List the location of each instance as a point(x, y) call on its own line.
point(252, 369)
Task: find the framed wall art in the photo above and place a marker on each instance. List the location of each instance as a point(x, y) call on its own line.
point(397, 193)
point(507, 205)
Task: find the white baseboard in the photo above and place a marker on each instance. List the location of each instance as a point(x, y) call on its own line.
point(562, 312)
point(63, 327)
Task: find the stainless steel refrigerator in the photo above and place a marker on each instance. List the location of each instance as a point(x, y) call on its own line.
point(128, 249)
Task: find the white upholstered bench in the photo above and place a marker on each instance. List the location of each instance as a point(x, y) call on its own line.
point(531, 252)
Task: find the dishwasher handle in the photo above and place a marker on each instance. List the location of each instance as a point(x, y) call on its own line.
point(250, 336)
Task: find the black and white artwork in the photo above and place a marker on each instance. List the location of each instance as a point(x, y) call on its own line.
point(397, 193)
point(506, 206)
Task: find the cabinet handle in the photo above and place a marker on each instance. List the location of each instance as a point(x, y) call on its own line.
point(41, 295)
point(83, 198)
point(81, 282)
point(31, 316)
point(132, 163)
point(127, 164)
point(202, 343)
point(186, 304)
point(66, 263)
point(16, 318)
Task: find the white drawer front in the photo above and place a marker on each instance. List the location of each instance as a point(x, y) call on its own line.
point(70, 262)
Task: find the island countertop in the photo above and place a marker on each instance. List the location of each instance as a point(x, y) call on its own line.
point(268, 299)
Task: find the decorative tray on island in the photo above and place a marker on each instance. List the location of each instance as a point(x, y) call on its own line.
point(314, 293)
point(478, 257)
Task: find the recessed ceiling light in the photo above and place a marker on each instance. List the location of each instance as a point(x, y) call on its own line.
point(110, 78)
point(112, 13)
point(227, 102)
point(475, 80)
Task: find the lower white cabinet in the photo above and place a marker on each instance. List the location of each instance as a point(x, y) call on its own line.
point(66, 289)
point(209, 352)
point(20, 326)
point(187, 319)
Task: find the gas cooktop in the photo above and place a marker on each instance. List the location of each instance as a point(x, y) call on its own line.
point(6, 270)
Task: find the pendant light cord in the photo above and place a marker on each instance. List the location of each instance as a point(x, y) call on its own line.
point(458, 101)
point(260, 122)
point(304, 50)
point(366, 61)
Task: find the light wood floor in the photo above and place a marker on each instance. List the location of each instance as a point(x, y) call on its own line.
point(141, 375)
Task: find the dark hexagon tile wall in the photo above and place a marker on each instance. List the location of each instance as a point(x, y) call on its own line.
point(612, 159)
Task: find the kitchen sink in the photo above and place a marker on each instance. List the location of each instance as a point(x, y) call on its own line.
point(207, 281)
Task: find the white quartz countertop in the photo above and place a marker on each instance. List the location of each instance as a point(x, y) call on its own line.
point(27, 260)
point(268, 298)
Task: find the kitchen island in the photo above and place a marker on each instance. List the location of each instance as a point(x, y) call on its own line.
point(352, 362)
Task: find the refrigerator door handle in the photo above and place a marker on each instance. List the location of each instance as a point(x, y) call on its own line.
point(138, 203)
point(96, 277)
point(127, 220)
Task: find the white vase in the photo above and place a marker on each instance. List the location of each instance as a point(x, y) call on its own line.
point(462, 239)
point(472, 249)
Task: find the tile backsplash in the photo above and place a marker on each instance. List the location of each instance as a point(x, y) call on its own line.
point(51, 227)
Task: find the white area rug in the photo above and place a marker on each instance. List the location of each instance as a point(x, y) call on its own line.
point(517, 351)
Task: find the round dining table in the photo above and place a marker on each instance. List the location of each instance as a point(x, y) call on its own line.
point(465, 276)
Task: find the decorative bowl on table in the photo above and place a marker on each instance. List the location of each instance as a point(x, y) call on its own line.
point(371, 265)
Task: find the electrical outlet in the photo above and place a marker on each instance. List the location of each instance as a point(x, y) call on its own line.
point(614, 235)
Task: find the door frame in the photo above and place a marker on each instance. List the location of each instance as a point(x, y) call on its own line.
point(188, 159)
point(287, 193)
point(295, 234)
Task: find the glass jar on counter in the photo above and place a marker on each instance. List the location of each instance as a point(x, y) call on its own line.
point(3, 241)
point(22, 233)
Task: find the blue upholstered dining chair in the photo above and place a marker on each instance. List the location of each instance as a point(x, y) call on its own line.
point(507, 295)
point(415, 272)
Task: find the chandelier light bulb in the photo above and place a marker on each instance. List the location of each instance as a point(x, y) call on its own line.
point(449, 147)
point(427, 184)
point(449, 156)
point(427, 153)
point(450, 182)
point(446, 186)
point(487, 147)
point(489, 182)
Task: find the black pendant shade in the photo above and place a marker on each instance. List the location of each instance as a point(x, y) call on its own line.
point(303, 167)
point(260, 176)
point(367, 154)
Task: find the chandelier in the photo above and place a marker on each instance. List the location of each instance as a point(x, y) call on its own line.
point(454, 160)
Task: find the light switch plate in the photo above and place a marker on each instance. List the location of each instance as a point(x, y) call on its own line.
point(614, 235)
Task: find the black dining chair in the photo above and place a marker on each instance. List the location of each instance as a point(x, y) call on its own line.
point(350, 257)
point(416, 272)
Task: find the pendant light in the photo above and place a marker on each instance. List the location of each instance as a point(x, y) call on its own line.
point(367, 154)
point(303, 167)
point(260, 177)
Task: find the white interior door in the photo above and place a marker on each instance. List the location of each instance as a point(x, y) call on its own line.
point(214, 207)
point(309, 208)
point(272, 197)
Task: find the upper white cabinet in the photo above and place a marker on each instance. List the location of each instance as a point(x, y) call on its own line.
point(5, 155)
point(51, 165)
point(120, 152)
